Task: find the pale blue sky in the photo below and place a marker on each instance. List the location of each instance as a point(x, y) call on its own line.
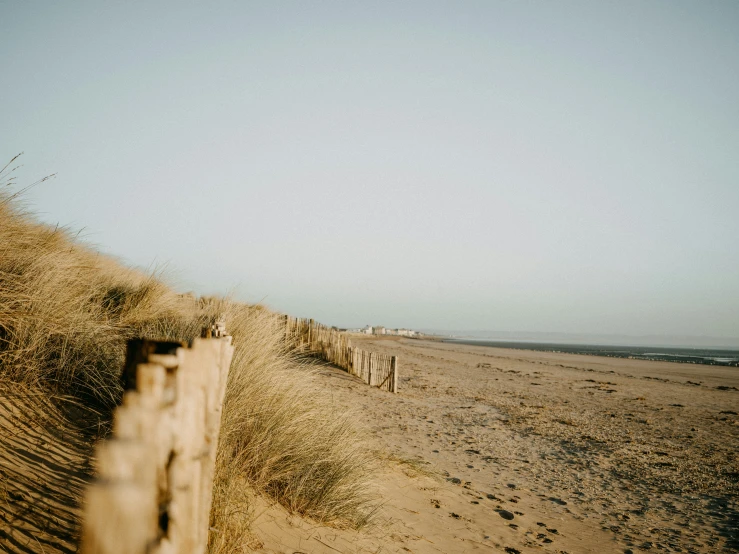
point(534, 166)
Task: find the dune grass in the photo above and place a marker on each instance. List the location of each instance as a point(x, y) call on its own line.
point(66, 313)
point(280, 434)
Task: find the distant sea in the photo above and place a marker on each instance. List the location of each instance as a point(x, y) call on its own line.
point(663, 353)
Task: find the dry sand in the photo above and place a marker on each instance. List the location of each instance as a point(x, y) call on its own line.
point(539, 452)
point(44, 467)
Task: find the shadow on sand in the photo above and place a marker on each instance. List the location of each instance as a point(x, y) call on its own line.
point(44, 467)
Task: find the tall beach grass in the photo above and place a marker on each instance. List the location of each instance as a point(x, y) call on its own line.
point(66, 313)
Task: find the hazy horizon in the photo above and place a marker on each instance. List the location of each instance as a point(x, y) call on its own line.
point(687, 341)
point(562, 167)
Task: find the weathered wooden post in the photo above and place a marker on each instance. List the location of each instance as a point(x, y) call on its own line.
point(394, 381)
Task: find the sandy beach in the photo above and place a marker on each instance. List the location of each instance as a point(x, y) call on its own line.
point(482, 450)
point(539, 452)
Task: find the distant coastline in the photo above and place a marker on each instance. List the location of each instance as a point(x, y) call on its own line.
point(708, 356)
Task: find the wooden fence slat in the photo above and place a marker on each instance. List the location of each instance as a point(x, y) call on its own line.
point(155, 473)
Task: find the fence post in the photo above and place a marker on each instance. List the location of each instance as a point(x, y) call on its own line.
point(394, 365)
point(155, 472)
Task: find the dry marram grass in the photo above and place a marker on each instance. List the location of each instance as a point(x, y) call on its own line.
point(282, 436)
point(66, 313)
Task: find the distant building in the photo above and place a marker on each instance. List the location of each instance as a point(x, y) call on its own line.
point(380, 330)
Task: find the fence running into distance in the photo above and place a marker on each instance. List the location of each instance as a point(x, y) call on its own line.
point(375, 369)
point(154, 487)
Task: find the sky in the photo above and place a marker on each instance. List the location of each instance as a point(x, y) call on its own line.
point(567, 167)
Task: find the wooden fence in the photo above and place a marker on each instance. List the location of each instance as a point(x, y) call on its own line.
point(375, 369)
point(154, 483)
